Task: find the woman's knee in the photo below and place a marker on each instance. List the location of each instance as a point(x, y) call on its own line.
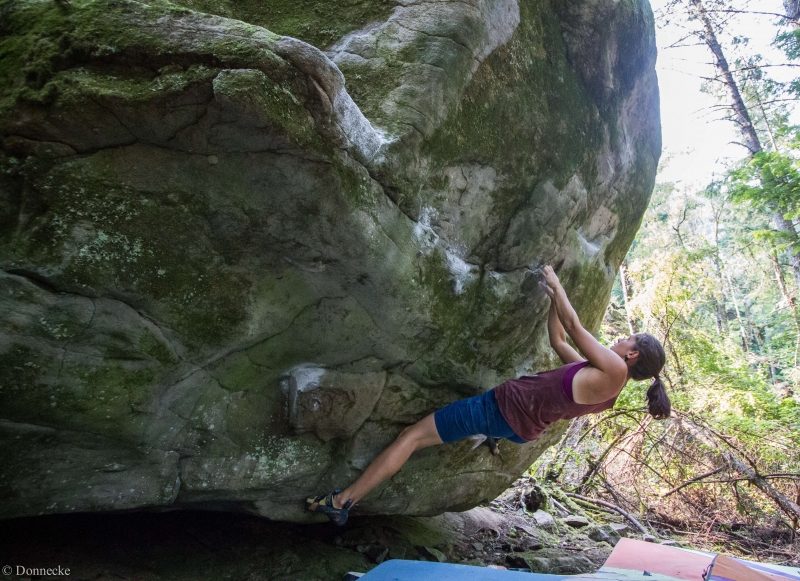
point(409, 435)
point(422, 434)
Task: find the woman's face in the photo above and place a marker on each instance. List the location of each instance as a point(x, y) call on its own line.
point(625, 346)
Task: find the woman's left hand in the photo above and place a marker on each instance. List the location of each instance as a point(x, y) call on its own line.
point(547, 290)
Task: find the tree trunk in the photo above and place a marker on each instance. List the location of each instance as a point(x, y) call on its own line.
point(742, 115)
point(744, 324)
point(792, 9)
point(719, 297)
point(787, 227)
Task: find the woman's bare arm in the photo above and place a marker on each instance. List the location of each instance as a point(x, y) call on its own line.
point(558, 337)
point(599, 356)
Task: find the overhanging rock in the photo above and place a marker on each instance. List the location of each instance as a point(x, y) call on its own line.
point(242, 250)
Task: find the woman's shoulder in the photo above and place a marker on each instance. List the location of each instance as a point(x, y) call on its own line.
point(591, 380)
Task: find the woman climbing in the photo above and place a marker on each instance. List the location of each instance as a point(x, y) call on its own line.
point(520, 409)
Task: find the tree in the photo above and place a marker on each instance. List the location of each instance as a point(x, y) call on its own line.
point(707, 32)
point(710, 274)
point(771, 180)
point(729, 456)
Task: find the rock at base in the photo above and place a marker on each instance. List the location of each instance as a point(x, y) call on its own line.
point(575, 521)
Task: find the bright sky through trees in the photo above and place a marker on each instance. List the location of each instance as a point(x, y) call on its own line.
point(697, 143)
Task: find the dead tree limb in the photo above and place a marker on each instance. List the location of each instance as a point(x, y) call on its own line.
point(744, 466)
point(613, 507)
point(693, 480)
point(609, 416)
point(742, 478)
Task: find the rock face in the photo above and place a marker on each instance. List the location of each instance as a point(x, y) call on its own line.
point(235, 264)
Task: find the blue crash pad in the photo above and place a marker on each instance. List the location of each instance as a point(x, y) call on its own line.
point(401, 570)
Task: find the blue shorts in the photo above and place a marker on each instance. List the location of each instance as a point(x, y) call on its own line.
point(474, 415)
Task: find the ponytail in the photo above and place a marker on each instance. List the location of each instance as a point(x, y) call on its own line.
point(649, 364)
point(657, 401)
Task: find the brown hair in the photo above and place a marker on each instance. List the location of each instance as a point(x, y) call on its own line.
point(649, 364)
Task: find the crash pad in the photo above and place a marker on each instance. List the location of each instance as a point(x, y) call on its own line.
point(403, 570)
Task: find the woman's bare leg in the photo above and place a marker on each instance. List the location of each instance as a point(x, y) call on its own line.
point(387, 463)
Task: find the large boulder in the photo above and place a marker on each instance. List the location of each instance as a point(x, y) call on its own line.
point(244, 244)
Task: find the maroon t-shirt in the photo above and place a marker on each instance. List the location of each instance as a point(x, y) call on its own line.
point(532, 402)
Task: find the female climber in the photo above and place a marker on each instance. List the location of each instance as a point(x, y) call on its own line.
point(520, 409)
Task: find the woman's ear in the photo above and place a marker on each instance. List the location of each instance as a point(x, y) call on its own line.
point(633, 355)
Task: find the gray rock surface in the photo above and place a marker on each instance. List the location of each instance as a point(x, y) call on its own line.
point(575, 521)
point(241, 248)
point(620, 529)
point(604, 534)
point(544, 519)
point(560, 565)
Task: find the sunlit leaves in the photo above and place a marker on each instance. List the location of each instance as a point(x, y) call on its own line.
point(700, 276)
point(768, 180)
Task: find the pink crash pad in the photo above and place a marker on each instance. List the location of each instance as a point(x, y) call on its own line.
point(633, 555)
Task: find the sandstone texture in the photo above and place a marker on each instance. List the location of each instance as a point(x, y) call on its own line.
point(243, 244)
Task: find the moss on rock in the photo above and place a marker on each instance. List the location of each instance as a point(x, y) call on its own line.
point(529, 78)
point(116, 238)
point(73, 395)
point(257, 95)
point(317, 22)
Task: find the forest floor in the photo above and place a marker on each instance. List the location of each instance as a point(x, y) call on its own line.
point(197, 545)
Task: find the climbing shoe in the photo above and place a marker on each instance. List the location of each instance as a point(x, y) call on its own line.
point(324, 504)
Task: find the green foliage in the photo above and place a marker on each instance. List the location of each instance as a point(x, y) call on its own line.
point(789, 42)
point(697, 279)
point(768, 180)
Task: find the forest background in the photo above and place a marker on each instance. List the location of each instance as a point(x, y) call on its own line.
point(715, 273)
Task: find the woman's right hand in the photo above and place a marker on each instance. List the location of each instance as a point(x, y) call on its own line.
point(551, 278)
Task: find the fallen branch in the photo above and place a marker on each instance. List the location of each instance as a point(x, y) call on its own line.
point(615, 494)
point(768, 546)
point(739, 461)
point(748, 479)
point(592, 506)
point(559, 506)
point(693, 480)
point(614, 507)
